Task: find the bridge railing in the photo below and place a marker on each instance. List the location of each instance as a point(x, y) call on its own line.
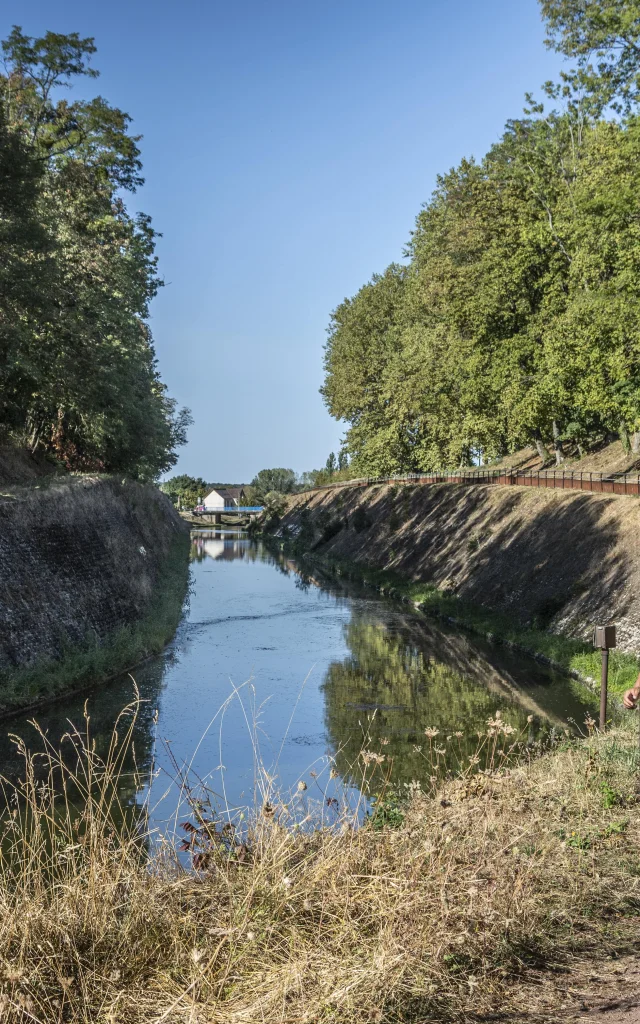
point(602, 483)
point(227, 509)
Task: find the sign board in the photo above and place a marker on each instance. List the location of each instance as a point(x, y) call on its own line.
point(604, 637)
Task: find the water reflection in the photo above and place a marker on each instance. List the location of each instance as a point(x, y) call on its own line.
point(217, 544)
point(329, 665)
point(404, 677)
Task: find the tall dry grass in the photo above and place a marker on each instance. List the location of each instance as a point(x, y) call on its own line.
point(496, 874)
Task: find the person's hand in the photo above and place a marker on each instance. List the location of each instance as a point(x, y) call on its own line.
point(630, 698)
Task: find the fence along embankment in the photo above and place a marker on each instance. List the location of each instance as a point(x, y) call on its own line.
point(597, 483)
point(549, 553)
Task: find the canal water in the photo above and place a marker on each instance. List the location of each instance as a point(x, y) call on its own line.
point(278, 682)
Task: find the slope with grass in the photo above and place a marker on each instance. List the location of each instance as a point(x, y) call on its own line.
point(535, 568)
point(93, 574)
point(20, 467)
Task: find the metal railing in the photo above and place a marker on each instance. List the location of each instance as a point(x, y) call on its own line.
point(601, 483)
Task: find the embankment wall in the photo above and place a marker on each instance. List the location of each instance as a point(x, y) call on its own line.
point(555, 559)
point(79, 560)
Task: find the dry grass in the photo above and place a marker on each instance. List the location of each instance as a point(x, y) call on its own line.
point(444, 918)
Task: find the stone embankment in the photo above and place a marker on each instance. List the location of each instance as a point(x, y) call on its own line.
point(80, 560)
point(549, 558)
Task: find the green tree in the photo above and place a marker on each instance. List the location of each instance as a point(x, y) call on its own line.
point(185, 490)
point(79, 376)
point(283, 481)
point(604, 38)
point(515, 321)
point(331, 464)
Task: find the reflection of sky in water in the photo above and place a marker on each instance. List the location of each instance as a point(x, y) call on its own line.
point(300, 672)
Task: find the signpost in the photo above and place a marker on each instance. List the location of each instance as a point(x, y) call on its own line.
point(604, 637)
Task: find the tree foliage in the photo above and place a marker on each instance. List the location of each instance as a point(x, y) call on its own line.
point(516, 319)
point(186, 491)
point(78, 374)
point(602, 36)
point(280, 481)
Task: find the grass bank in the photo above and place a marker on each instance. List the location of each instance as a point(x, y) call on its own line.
point(494, 883)
point(92, 662)
point(572, 656)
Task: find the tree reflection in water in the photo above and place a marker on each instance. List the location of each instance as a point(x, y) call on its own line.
point(400, 681)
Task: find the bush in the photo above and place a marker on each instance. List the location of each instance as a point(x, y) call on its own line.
point(360, 519)
point(275, 504)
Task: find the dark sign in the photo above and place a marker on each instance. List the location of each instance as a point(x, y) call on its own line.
point(604, 637)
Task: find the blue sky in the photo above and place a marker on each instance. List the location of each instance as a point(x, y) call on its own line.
point(287, 150)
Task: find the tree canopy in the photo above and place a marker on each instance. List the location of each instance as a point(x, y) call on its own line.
point(282, 481)
point(186, 491)
point(602, 36)
point(516, 318)
point(78, 373)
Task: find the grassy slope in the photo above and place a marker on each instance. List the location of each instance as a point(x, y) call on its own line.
point(609, 458)
point(18, 467)
point(498, 561)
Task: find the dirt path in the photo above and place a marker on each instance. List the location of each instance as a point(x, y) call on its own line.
point(617, 1012)
point(609, 993)
point(615, 999)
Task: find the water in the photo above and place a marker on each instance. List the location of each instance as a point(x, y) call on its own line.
point(299, 675)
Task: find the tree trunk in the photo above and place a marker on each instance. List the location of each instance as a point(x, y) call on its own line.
point(540, 448)
point(557, 444)
point(34, 430)
point(624, 436)
point(634, 440)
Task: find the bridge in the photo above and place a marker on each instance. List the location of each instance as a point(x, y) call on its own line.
point(211, 514)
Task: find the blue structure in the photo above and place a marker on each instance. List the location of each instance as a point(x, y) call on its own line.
point(228, 510)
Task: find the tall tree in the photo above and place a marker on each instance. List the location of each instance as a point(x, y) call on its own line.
point(80, 375)
point(515, 321)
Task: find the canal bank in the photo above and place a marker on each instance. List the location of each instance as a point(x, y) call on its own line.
point(529, 570)
point(94, 573)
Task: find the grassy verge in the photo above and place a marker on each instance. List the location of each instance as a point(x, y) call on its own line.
point(93, 663)
point(496, 882)
point(569, 655)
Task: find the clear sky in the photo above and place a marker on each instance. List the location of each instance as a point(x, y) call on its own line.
point(288, 147)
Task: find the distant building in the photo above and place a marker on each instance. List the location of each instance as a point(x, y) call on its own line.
point(224, 497)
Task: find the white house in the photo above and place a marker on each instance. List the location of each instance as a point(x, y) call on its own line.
point(224, 497)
